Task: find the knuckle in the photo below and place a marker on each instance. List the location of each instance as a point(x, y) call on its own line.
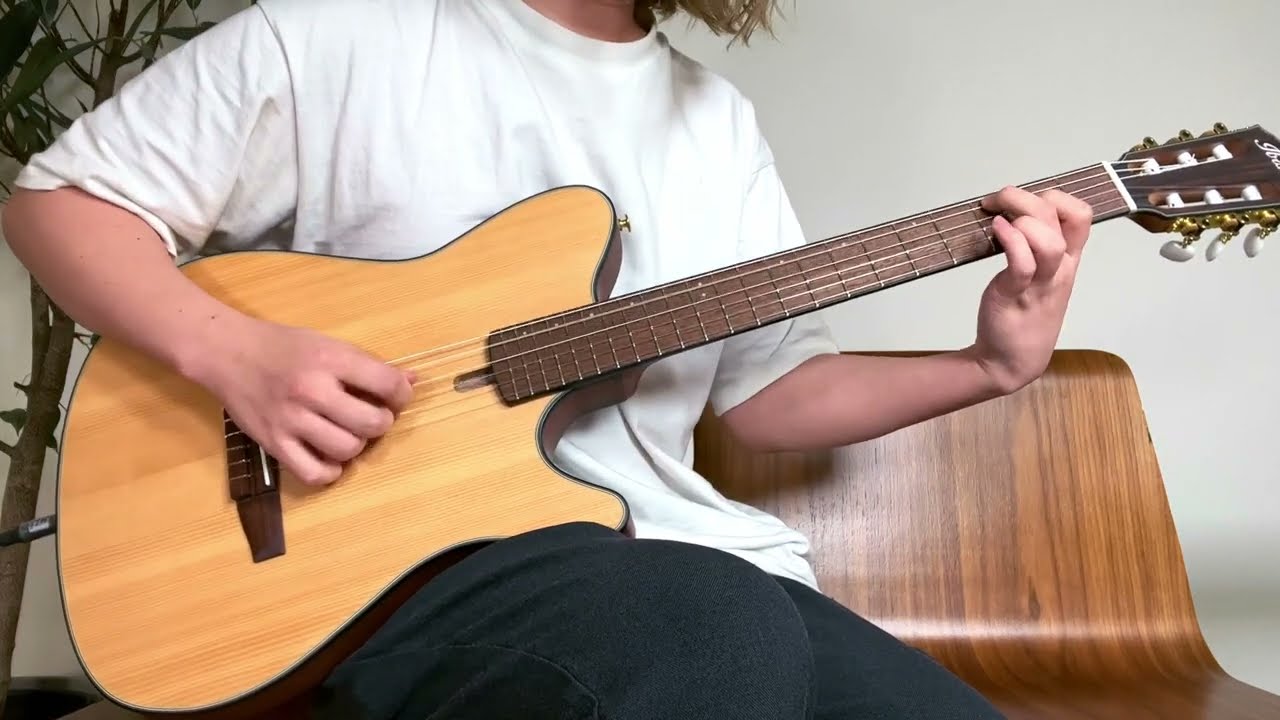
point(352, 446)
point(1080, 212)
point(382, 423)
point(304, 387)
point(1028, 225)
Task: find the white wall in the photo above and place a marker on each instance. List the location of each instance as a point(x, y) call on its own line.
point(877, 110)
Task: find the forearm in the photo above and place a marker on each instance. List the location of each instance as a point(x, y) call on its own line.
point(835, 400)
point(111, 273)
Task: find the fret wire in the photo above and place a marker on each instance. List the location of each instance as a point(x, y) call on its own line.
point(831, 261)
point(702, 325)
point(656, 342)
point(675, 319)
point(934, 222)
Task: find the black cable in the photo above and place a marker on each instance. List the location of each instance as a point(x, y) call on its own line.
point(30, 530)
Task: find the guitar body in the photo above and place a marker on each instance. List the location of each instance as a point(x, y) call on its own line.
point(167, 608)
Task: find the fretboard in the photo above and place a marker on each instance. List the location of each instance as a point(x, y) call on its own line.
point(555, 352)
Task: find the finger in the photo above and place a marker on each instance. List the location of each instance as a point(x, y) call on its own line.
point(333, 443)
point(305, 465)
point(388, 385)
point(1046, 245)
point(357, 415)
point(1075, 217)
point(1013, 202)
point(1021, 263)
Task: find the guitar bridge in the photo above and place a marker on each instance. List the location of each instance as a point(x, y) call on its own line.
point(253, 478)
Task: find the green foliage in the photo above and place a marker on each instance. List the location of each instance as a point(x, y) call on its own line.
point(42, 40)
point(17, 27)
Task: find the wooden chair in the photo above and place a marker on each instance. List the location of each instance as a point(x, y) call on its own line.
point(1025, 543)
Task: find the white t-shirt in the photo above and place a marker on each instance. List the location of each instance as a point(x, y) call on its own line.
point(387, 128)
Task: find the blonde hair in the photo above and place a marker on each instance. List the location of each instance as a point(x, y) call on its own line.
point(736, 18)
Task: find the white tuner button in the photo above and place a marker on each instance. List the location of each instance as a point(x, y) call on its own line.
point(1177, 252)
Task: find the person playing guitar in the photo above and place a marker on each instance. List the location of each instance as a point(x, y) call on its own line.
point(384, 130)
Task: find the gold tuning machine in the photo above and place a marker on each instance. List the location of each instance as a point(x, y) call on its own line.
point(1146, 144)
point(1228, 226)
point(1217, 129)
point(624, 224)
point(1188, 228)
point(1268, 220)
point(1184, 249)
point(1182, 136)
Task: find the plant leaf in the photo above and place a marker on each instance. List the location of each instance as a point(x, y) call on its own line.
point(38, 69)
point(51, 9)
point(51, 442)
point(193, 4)
point(16, 417)
point(25, 132)
point(17, 27)
point(186, 32)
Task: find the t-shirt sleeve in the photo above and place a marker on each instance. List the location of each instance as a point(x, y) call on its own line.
point(751, 361)
point(201, 143)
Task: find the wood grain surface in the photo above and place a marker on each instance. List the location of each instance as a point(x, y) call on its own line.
point(1025, 543)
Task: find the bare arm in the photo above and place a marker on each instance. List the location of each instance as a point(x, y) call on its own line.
point(111, 272)
point(835, 400)
point(291, 389)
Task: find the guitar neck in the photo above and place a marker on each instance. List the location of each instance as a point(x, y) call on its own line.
point(552, 353)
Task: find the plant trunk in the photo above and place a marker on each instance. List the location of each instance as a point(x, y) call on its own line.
point(52, 338)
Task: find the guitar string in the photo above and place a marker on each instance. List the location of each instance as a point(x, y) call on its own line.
point(858, 244)
point(931, 236)
point(1103, 174)
point(411, 411)
point(842, 283)
point(1108, 207)
point(817, 250)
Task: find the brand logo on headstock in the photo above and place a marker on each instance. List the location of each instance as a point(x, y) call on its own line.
point(1272, 152)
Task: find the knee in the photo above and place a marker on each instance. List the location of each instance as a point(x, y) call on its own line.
point(711, 616)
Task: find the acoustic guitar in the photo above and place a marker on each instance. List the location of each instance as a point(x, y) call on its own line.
point(198, 579)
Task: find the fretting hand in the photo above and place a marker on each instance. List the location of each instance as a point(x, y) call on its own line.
point(1023, 307)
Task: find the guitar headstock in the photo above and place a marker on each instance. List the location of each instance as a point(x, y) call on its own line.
point(1226, 181)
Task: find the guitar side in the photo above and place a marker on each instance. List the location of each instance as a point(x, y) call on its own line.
point(167, 610)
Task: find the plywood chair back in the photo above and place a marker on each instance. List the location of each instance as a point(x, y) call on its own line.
point(1025, 543)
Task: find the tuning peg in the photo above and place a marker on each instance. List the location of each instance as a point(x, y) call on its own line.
point(1227, 224)
point(1178, 250)
point(1184, 249)
point(1267, 221)
point(1146, 144)
point(1215, 247)
point(1182, 136)
point(1217, 129)
point(1254, 240)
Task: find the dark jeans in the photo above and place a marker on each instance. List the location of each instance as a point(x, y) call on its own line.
point(577, 622)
